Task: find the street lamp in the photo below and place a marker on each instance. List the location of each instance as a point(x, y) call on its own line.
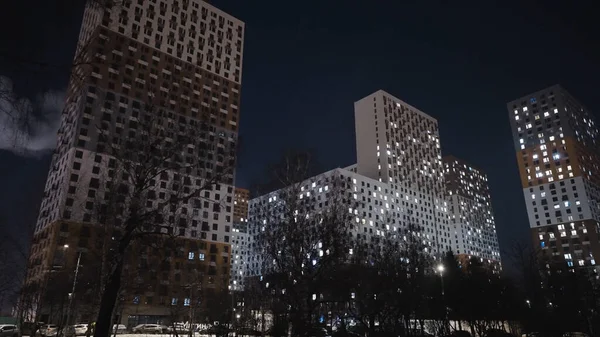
point(72, 293)
point(528, 303)
point(440, 269)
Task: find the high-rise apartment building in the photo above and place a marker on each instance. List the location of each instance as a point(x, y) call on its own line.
point(174, 63)
point(240, 206)
point(557, 143)
point(399, 145)
point(397, 182)
point(471, 214)
point(240, 239)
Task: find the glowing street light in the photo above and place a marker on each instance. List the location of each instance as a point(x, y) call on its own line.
point(440, 269)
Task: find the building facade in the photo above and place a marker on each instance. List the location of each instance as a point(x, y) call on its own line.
point(558, 154)
point(397, 182)
point(471, 214)
point(240, 239)
point(169, 65)
point(399, 145)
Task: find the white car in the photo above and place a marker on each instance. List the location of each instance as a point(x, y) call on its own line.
point(9, 330)
point(150, 328)
point(77, 330)
point(119, 328)
point(48, 330)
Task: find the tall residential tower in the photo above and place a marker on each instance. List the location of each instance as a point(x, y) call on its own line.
point(557, 143)
point(240, 239)
point(178, 64)
point(399, 145)
point(471, 214)
point(397, 183)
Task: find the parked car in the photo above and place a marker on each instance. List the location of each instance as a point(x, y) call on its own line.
point(151, 328)
point(119, 328)
point(9, 330)
point(77, 330)
point(48, 330)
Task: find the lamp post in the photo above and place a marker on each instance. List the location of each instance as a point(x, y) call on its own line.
point(72, 294)
point(440, 268)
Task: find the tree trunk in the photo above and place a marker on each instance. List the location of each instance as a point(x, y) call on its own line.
point(109, 299)
point(262, 321)
point(371, 330)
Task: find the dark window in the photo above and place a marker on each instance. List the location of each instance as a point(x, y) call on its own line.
point(95, 183)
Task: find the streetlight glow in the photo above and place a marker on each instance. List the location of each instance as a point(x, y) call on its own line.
point(440, 268)
point(66, 246)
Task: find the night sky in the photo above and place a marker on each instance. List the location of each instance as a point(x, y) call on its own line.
point(306, 63)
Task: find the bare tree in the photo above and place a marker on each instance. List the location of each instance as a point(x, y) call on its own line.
point(18, 113)
point(302, 246)
point(155, 175)
point(13, 259)
point(387, 283)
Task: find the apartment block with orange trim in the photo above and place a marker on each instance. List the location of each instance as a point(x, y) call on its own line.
point(557, 144)
point(184, 57)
